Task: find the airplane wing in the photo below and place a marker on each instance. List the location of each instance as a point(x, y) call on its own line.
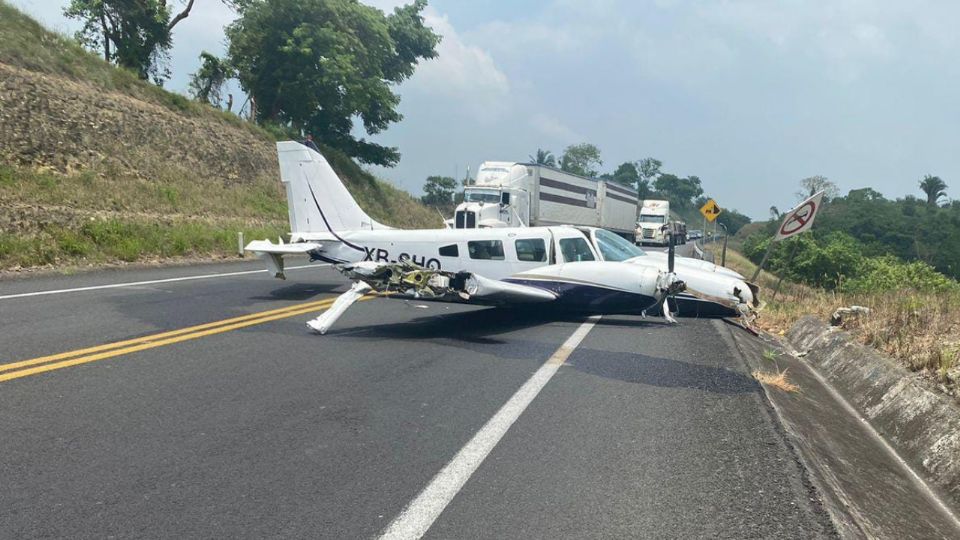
point(406, 280)
point(488, 290)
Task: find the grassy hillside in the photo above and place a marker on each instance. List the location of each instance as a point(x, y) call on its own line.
point(97, 166)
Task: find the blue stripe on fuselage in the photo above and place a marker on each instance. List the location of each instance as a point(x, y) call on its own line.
point(590, 298)
point(686, 305)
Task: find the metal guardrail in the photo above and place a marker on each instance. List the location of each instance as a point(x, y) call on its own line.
point(698, 251)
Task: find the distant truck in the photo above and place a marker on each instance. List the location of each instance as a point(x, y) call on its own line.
point(508, 194)
point(653, 225)
point(680, 232)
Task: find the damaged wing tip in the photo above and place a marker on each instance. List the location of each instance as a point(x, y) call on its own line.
point(316, 327)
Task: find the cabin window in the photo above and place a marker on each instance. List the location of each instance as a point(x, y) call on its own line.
point(449, 251)
point(575, 249)
point(531, 250)
point(486, 250)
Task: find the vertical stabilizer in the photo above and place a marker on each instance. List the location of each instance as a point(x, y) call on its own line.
point(317, 200)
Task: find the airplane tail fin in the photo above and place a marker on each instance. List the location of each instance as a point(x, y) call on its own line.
point(317, 200)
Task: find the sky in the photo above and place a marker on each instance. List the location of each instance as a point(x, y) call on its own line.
point(751, 96)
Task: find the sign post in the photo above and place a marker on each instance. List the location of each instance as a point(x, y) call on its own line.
point(796, 221)
point(726, 233)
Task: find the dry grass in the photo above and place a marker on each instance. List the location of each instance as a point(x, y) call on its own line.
point(776, 379)
point(920, 329)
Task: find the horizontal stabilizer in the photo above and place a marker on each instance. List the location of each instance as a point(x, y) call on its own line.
point(275, 252)
point(266, 246)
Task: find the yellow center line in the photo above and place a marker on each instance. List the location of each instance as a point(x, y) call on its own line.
point(153, 337)
point(157, 340)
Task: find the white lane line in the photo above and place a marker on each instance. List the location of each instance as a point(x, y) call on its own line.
point(420, 514)
point(151, 282)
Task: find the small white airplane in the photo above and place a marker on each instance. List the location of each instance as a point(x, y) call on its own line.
point(585, 269)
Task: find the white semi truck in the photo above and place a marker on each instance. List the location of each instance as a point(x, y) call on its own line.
point(653, 224)
point(508, 194)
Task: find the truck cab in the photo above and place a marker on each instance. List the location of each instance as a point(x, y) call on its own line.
point(498, 198)
point(484, 207)
point(653, 225)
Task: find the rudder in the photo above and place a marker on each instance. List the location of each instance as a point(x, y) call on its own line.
point(317, 200)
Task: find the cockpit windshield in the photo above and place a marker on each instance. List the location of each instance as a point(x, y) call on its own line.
point(475, 195)
point(614, 247)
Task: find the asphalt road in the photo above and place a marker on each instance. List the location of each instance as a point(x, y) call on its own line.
point(266, 430)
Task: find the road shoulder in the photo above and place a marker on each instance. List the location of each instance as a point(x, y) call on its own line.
point(867, 489)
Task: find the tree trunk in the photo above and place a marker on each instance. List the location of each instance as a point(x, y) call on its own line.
point(106, 37)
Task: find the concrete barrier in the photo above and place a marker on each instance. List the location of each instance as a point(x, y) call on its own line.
point(923, 425)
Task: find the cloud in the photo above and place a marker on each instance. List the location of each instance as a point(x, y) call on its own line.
point(463, 73)
point(554, 129)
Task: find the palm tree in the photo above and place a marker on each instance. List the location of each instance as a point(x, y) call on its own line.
point(544, 157)
point(934, 187)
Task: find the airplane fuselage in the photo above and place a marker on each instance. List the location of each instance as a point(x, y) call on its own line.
point(493, 253)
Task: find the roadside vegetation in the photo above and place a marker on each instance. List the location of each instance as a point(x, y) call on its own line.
point(898, 258)
point(917, 322)
point(105, 216)
point(112, 240)
point(99, 165)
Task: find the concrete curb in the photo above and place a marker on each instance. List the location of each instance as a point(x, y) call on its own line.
point(921, 424)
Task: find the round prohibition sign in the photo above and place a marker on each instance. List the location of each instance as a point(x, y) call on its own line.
point(800, 218)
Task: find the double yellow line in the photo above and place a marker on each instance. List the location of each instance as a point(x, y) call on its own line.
point(43, 364)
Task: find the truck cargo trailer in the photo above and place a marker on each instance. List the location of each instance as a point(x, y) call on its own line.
point(510, 194)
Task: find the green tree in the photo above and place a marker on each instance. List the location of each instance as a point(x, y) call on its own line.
point(935, 189)
point(439, 191)
point(134, 34)
point(814, 184)
point(681, 192)
point(733, 220)
point(206, 84)
point(907, 228)
point(626, 174)
point(319, 64)
point(649, 171)
point(583, 159)
point(543, 157)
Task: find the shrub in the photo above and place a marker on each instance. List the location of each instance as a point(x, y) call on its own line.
point(836, 262)
point(888, 273)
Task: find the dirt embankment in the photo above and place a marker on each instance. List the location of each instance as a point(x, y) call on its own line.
point(67, 125)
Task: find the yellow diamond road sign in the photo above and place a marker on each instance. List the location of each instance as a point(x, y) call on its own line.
point(710, 210)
